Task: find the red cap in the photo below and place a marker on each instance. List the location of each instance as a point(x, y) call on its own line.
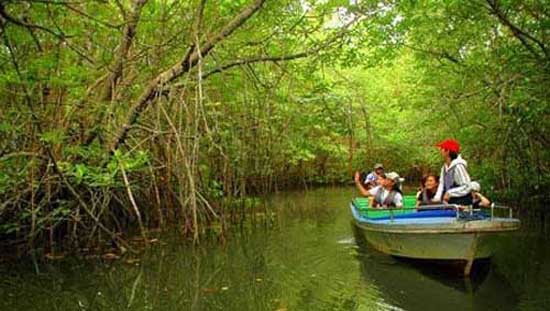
point(449, 144)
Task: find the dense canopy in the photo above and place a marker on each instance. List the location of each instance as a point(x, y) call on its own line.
point(155, 112)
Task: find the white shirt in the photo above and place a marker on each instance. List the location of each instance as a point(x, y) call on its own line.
point(397, 199)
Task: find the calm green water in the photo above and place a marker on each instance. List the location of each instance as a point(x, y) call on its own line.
point(306, 258)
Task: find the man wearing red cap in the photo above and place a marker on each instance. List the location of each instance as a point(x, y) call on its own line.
point(455, 183)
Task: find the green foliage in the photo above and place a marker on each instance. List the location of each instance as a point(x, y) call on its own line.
point(54, 136)
point(296, 94)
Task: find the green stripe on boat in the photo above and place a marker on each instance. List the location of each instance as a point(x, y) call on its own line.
point(362, 203)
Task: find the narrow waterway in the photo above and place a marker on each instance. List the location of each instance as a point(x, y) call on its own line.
point(305, 257)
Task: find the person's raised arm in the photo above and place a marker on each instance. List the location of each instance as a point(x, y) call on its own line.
point(364, 192)
point(483, 201)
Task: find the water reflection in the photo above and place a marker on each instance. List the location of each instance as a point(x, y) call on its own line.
point(419, 285)
point(306, 258)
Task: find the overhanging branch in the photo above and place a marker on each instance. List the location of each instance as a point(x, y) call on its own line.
point(157, 84)
point(524, 37)
point(274, 59)
point(257, 60)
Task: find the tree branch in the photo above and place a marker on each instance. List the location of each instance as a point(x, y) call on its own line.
point(258, 59)
point(520, 34)
point(110, 84)
point(128, 35)
point(275, 59)
point(444, 54)
point(156, 85)
point(106, 24)
point(17, 22)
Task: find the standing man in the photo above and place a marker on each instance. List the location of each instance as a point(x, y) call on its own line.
point(454, 181)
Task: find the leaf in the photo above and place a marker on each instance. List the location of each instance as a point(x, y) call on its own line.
point(80, 171)
point(53, 137)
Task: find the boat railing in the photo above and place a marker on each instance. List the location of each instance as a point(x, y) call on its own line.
point(456, 207)
point(502, 207)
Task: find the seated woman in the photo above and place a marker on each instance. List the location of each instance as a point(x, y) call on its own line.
point(386, 194)
point(428, 190)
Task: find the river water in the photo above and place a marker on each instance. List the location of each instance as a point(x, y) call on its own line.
point(305, 257)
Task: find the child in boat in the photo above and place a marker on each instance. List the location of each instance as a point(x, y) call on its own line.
point(429, 185)
point(386, 194)
point(371, 180)
point(455, 183)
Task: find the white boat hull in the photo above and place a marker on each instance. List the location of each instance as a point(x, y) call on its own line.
point(436, 238)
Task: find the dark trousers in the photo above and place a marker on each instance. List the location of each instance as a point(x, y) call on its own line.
point(464, 200)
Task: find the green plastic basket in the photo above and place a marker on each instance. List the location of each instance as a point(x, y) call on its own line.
point(409, 201)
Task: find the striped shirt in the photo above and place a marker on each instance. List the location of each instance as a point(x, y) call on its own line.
point(460, 180)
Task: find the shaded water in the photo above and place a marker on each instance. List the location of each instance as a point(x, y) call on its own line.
point(305, 258)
